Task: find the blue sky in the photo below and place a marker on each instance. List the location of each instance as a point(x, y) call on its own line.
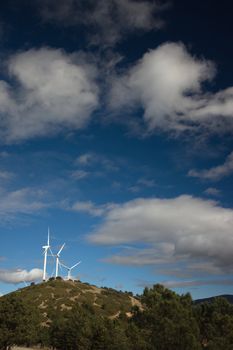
point(116, 122)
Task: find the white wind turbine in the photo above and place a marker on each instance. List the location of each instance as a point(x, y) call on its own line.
point(69, 277)
point(57, 259)
point(46, 248)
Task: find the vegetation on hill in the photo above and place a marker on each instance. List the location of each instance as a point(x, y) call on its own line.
point(68, 315)
point(58, 295)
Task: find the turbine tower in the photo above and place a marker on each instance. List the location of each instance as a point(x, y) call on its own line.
point(69, 277)
point(46, 248)
point(57, 260)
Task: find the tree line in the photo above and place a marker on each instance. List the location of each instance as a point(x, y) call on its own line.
point(168, 321)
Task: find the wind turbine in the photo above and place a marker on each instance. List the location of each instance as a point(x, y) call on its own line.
point(69, 277)
point(46, 248)
point(57, 260)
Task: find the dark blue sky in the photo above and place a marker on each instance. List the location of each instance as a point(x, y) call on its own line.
point(116, 122)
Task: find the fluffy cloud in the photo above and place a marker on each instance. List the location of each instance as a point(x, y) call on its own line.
point(194, 269)
point(106, 22)
point(219, 104)
point(141, 257)
point(195, 283)
point(19, 276)
point(87, 207)
point(168, 83)
point(79, 174)
point(192, 283)
point(142, 183)
point(91, 159)
point(215, 173)
point(49, 90)
point(90, 208)
point(86, 159)
point(212, 191)
point(20, 202)
point(5, 175)
point(182, 229)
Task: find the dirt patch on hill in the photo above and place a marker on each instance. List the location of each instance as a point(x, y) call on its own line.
point(136, 302)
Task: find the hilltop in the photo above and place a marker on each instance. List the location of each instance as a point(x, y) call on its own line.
point(57, 295)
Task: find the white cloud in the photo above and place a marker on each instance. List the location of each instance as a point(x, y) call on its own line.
point(168, 83)
point(181, 229)
point(192, 270)
point(146, 182)
point(20, 202)
point(204, 267)
point(19, 276)
point(142, 257)
point(79, 174)
point(106, 22)
point(212, 191)
point(219, 104)
point(164, 82)
point(196, 283)
point(87, 207)
point(93, 159)
point(5, 175)
point(50, 91)
point(85, 159)
point(90, 208)
point(216, 173)
point(142, 183)
point(189, 284)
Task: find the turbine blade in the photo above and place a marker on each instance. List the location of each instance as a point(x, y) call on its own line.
point(51, 253)
point(43, 253)
point(76, 265)
point(61, 249)
point(66, 267)
point(48, 235)
point(60, 264)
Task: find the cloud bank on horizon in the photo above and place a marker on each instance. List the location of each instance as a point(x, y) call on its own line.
point(19, 276)
point(190, 283)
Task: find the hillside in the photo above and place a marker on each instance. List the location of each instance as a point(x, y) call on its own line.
point(67, 315)
point(59, 295)
point(228, 297)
